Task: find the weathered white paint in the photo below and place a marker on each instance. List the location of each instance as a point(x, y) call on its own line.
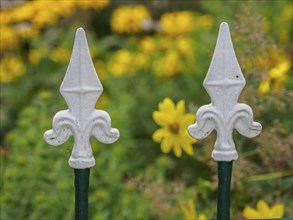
point(224, 82)
point(81, 88)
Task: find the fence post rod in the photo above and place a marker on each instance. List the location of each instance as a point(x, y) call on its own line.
point(224, 177)
point(81, 88)
point(81, 183)
point(224, 82)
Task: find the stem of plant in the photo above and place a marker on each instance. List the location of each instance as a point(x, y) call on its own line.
point(224, 176)
point(81, 183)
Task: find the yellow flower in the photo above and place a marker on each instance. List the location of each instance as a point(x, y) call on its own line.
point(169, 64)
point(8, 38)
point(23, 12)
point(263, 211)
point(6, 17)
point(141, 61)
point(184, 46)
point(147, 45)
point(95, 4)
point(176, 23)
point(36, 55)
point(174, 122)
point(10, 68)
point(205, 22)
point(121, 63)
point(264, 87)
point(128, 19)
point(29, 17)
point(60, 55)
point(275, 79)
point(279, 73)
point(189, 211)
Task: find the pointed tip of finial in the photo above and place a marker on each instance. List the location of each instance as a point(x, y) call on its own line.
point(80, 32)
point(224, 26)
point(224, 23)
point(80, 29)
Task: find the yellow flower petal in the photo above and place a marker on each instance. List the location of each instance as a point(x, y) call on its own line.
point(192, 208)
point(167, 105)
point(185, 138)
point(188, 149)
point(263, 208)
point(159, 134)
point(251, 213)
point(277, 211)
point(185, 211)
point(202, 217)
point(188, 119)
point(167, 143)
point(177, 149)
point(180, 108)
point(160, 118)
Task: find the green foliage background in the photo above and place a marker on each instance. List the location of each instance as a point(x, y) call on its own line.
point(132, 178)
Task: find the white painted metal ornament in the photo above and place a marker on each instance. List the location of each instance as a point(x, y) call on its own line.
point(81, 88)
point(224, 82)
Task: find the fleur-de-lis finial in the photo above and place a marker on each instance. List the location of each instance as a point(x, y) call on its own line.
point(81, 88)
point(224, 82)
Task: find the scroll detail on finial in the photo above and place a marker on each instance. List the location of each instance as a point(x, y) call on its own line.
point(81, 88)
point(224, 82)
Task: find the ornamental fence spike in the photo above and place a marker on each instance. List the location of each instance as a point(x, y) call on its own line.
point(224, 83)
point(81, 89)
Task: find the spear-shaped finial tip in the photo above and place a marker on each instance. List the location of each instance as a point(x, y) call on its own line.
point(224, 32)
point(80, 31)
point(80, 35)
point(224, 24)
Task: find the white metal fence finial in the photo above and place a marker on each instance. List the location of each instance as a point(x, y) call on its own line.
point(81, 88)
point(224, 82)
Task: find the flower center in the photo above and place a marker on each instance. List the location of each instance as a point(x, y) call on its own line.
point(174, 128)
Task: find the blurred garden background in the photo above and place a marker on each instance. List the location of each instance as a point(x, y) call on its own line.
point(151, 57)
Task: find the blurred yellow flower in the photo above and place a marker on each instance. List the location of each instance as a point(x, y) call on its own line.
point(94, 4)
point(263, 211)
point(264, 87)
point(275, 79)
point(10, 68)
point(205, 22)
point(60, 55)
point(147, 45)
point(23, 12)
point(128, 19)
point(189, 211)
point(27, 18)
point(141, 61)
point(169, 64)
point(279, 73)
point(35, 55)
point(174, 122)
point(121, 62)
point(176, 23)
point(184, 46)
point(8, 38)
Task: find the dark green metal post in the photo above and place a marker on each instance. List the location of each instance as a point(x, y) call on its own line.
point(81, 183)
point(224, 176)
